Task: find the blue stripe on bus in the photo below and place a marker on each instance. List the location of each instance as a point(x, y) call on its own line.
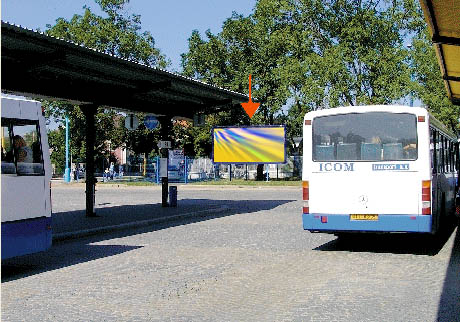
point(26, 236)
point(390, 223)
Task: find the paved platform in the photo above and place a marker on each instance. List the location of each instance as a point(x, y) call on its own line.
point(119, 206)
point(75, 224)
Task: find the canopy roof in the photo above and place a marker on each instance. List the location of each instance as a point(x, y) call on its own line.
point(443, 18)
point(37, 65)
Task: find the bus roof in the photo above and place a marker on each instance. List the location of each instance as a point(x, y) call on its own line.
point(17, 98)
point(367, 108)
point(20, 108)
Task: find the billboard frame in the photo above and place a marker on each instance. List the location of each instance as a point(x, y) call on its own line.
point(249, 126)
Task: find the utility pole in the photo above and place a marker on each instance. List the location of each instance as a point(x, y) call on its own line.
point(67, 169)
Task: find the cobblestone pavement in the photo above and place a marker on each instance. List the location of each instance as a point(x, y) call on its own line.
point(252, 263)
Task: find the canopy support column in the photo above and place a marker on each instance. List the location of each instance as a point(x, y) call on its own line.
point(90, 111)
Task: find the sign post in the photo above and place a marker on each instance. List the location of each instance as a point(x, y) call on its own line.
point(164, 145)
point(163, 167)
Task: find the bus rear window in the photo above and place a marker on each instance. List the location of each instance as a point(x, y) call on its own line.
point(373, 136)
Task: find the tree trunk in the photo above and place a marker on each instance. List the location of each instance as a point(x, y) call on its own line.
point(260, 172)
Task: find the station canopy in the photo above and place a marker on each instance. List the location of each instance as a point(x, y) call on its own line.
point(443, 18)
point(36, 65)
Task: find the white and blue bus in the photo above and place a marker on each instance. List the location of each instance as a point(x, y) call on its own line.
point(377, 169)
point(25, 178)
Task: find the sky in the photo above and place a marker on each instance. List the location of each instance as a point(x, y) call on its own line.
point(170, 22)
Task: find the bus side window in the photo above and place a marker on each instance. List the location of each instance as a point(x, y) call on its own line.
point(433, 150)
point(8, 166)
point(440, 153)
point(445, 163)
point(448, 155)
point(456, 159)
point(29, 160)
point(445, 155)
point(23, 152)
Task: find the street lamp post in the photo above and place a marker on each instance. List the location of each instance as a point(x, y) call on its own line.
point(67, 169)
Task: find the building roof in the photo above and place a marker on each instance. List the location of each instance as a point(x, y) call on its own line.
point(37, 65)
point(443, 20)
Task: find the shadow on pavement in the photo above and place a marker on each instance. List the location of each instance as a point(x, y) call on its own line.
point(396, 243)
point(72, 221)
point(56, 258)
point(75, 251)
point(224, 208)
point(449, 304)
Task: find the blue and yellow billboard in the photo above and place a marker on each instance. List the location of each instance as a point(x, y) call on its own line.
point(257, 144)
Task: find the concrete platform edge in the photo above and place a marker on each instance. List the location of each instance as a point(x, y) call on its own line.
point(100, 230)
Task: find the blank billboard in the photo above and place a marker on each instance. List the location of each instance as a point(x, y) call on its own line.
point(257, 144)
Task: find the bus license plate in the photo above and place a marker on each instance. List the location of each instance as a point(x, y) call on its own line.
point(364, 217)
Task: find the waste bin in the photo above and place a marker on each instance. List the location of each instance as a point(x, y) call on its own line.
point(172, 196)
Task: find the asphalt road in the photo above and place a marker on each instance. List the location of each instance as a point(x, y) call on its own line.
point(253, 262)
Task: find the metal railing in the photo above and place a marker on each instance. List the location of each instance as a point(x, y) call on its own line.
point(201, 169)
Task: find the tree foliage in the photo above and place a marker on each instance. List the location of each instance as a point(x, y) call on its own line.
point(142, 140)
point(56, 140)
point(354, 53)
point(303, 55)
point(247, 45)
point(119, 34)
point(309, 54)
point(110, 132)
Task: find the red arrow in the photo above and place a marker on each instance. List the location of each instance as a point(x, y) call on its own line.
point(250, 107)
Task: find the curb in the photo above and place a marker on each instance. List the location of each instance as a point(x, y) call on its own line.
point(180, 186)
point(135, 224)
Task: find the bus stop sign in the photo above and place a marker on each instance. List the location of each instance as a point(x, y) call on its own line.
point(151, 122)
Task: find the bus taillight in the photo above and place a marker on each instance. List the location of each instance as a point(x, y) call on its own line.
point(306, 197)
point(426, 197)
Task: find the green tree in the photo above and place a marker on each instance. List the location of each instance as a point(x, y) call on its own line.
point(56, 141)
point(182, 136)
point(110, 132)
point(143, 141)
point(255, 45)
point(118, 34)
point(246, 45)
point(352, 52)
point(309, 54)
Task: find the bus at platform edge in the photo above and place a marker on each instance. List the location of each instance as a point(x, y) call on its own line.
point(377, 169)
point(25, 178)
